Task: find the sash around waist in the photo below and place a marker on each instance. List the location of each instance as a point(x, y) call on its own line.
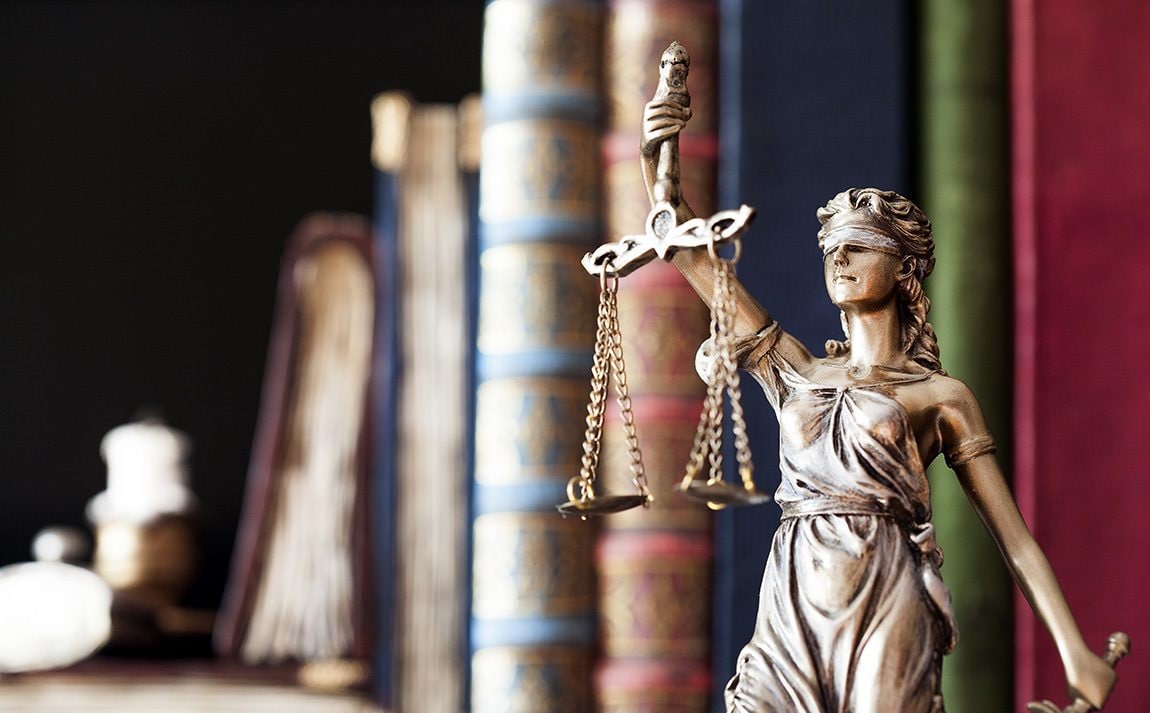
point(827, 505)
point(920, 535)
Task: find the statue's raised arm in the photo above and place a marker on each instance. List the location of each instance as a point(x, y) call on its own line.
point(663, 119)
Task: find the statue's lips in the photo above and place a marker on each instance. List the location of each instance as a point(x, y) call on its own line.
point(846, 278)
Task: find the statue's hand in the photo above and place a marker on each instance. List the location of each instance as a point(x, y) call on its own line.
point(1089, 678)
point(661, 120)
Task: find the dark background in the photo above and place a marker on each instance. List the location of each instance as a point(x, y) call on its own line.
point(154, 158)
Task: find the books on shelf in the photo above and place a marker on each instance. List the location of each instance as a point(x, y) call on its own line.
point(533, 601)
point(423, 155)
point(654, 565)
point(182, 692)
point(1079, 161)
point(964, 188)
point(300, 580)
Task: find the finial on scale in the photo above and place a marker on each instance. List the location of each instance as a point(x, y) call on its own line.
point(674, 66)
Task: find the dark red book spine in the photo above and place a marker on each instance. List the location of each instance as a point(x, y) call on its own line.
point(1081, 169)
point(655, 565)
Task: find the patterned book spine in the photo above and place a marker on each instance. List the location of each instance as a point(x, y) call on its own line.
point(803, 116)
point(533, 603)
point(430, 437)
point(655, 565)
point(965, 191)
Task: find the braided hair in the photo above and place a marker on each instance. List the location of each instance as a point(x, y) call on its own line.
point(906, 223)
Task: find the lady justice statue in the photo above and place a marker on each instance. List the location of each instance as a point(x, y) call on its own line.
point(853, 613)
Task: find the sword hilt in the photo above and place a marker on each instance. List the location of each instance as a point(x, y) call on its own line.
point(1117, 647)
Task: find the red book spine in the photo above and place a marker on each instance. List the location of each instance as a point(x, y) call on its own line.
point(1081, 176)
point(655, 565)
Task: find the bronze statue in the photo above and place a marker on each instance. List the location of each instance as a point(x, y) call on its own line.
point(853, 613)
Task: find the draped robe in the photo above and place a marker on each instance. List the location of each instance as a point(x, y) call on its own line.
point(853, 616)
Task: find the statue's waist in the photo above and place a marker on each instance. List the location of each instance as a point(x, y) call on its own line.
point(835, 505)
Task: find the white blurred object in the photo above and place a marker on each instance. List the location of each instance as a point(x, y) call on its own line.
point(51, 615)
point(61, 544)
point(147, 474)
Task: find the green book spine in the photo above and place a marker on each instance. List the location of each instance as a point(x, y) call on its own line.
point(966, 193)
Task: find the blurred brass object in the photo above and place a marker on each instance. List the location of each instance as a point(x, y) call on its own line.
point(333, 675)
point(152, 562)
point(389, 119)
point(470, 132)
point(145, 518)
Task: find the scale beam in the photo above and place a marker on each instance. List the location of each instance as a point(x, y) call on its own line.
point(662, 241)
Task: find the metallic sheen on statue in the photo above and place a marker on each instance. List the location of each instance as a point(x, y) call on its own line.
point(853, 611)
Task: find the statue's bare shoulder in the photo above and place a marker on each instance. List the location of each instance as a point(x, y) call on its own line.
point(957, 411)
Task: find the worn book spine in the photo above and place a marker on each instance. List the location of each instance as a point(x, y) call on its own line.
point(387, 150)
point(300, 588)
point(654, 564)
point(430, 437)
point(963, 165)
point(533, 584)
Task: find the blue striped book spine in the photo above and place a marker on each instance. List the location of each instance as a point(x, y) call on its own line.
point(533, 598)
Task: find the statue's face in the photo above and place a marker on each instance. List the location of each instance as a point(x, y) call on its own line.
point(859, 277)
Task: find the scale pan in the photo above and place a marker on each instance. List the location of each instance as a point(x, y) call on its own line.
point(719, 494)
point(602, 505)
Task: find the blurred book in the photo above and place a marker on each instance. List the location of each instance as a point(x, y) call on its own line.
point(299, 587)
point(963, 168)
point(533, 601)
point(73, 693)
point(425, 156)
point(654, 565)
